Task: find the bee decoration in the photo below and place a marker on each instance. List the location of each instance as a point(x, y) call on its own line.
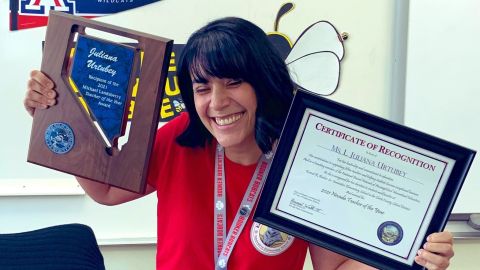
point(179, 105)
point(314, 59)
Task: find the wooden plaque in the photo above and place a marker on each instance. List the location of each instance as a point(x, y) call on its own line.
point(79, 135)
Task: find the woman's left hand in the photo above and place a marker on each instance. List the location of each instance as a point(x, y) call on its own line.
point(436, 252)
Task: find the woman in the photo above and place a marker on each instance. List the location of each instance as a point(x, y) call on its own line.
point(237, 92)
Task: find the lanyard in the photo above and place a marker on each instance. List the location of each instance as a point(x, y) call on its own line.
point(224, 244)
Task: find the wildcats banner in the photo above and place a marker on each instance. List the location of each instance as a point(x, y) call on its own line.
point(34, 13)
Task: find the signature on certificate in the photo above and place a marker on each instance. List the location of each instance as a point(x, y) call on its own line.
point(305, 207)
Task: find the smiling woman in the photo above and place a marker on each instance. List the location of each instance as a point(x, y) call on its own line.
point(227, 109)
point(237, 91)
point(246, 61)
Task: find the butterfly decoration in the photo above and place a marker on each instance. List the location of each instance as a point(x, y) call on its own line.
point(314, 59)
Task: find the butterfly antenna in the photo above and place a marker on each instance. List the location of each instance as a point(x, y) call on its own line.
point(287, 7)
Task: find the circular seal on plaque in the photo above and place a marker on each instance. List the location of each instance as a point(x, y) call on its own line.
point(59, 138)
point(269, 241)
point(390, 233)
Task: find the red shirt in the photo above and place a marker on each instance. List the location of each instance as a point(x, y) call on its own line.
point(184, 181)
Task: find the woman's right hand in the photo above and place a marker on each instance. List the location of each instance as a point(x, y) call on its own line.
point(40, 93)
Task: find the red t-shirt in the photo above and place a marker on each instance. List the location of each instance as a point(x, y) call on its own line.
point(183, 177)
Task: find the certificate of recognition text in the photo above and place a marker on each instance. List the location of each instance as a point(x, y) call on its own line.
point(361, 186)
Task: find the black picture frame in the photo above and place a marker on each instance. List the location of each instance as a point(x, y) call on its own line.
point(269, 213)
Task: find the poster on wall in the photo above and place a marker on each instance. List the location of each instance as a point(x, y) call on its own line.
point(26, 14)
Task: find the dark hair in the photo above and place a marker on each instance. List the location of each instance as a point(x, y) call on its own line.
point(238, 49)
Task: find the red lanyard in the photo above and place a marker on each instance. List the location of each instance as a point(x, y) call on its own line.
point(224, 244)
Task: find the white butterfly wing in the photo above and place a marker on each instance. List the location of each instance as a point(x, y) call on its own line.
point(320, 36)
point(316, 72)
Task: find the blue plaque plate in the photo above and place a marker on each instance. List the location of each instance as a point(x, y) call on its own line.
point(101, 73)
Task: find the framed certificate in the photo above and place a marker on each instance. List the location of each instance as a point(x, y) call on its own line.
point(360, 185)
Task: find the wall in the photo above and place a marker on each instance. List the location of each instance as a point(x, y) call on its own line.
point(128, 257)
point(442, 94)
point(442, 79)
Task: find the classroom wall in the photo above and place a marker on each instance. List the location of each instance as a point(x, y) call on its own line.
point(442, 82)
point(128, 257)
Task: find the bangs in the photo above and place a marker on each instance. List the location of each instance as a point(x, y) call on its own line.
point(218, 56)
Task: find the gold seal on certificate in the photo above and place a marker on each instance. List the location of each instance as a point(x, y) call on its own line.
point(360, 185)
point(94, 131)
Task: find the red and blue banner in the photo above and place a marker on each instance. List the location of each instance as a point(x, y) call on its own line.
point(34, 13)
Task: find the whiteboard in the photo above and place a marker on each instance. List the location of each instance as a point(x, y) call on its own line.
point(368, 73)
point(443, 80)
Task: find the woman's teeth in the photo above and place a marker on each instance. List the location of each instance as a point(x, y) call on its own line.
point(223, 121)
